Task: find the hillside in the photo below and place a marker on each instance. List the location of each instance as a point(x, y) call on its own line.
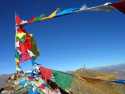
point(90, 73)
point(87, 81)
point(97, 86)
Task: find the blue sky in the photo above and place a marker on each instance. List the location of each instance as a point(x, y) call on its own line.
point(66, 43)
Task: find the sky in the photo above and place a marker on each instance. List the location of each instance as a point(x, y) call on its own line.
point(91, 39)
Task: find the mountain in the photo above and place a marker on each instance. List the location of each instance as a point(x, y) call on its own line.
point(119, 67)
point(3, 80)
point(119, 70)
point(87, 81)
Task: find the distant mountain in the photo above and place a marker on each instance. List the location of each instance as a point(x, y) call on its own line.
point(119, 67)
point(119, 70)
point(3, 80)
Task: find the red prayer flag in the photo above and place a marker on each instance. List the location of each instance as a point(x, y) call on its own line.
point(24, 57)
point(120, 6)
point(26, 45)
point(45, 73)
point(18, 20)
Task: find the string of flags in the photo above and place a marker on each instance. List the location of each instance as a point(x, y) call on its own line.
point(107, 7)
point(41, 80)
point(26, 48)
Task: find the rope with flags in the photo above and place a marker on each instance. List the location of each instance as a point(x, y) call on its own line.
point(107, 7)
point(43, 80)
